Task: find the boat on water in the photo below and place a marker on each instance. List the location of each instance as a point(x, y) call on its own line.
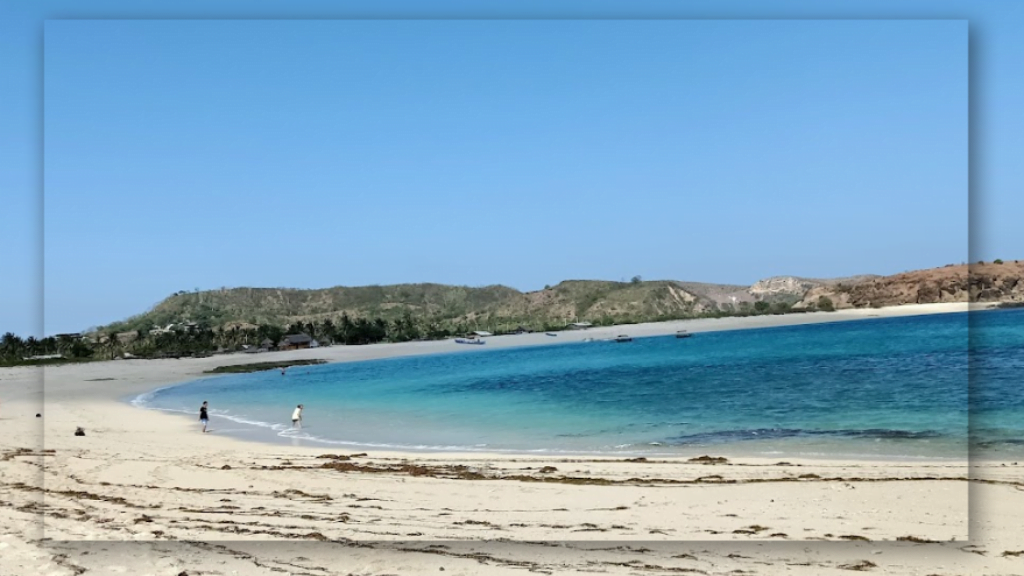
point(683, 334)
point(623, 338)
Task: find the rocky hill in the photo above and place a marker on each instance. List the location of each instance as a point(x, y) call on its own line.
point(782, 287)
point(579, 300)
point(982, 282)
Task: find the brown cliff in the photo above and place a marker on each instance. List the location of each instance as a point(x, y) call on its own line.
point(983, 282)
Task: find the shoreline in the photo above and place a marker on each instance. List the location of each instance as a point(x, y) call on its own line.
point(141, 483)
point(266, 436)
point(343, 354)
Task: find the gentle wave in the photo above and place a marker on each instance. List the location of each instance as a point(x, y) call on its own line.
point(649, 449)
point(286, 431)
point(143, 400)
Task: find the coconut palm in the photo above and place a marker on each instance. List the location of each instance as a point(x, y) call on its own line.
point(31, 346)
point(112, 344)
point(11, 346)
point(64, 344)
point(327, 330)
point(49, 345)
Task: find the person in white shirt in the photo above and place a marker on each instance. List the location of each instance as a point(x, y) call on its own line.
point(297, 417)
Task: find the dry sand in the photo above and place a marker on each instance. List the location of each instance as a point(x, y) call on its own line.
point(148, 493)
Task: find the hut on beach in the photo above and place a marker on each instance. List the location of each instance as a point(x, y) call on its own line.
point(295, 342)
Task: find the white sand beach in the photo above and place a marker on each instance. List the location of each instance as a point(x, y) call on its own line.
point(145, 492)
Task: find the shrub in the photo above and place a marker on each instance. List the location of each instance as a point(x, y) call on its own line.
point(997, 261)
point(825, 304)
point(79, 350)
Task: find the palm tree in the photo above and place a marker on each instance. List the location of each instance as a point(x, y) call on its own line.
point(346, 328)
point(380, 329)
point(180, 340)
point(64, 344)
point(327, 331)
point(11, 345)
point(231, 339)
point(112, 344)
point(31, 346)
point(49, 345)
point(165, 341)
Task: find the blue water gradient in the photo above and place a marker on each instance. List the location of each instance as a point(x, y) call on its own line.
point(895, 387)
point(997, 384)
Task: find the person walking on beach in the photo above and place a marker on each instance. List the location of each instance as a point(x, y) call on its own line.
point(297, 417)
point(203, 416)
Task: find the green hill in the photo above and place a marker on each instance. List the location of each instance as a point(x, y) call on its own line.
point(488, 308)
point(438, 307)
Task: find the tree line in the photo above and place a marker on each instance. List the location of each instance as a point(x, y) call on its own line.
point(203, 339)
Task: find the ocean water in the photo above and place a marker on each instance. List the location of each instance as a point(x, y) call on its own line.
point(890, 388)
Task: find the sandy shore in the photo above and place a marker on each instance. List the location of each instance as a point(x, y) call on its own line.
point(147, 493)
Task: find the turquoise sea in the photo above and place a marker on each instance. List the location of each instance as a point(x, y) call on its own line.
point(891, 388)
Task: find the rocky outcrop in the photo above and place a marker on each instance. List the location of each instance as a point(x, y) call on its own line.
point(987, 282)
point(782, 285)
point(997, 282)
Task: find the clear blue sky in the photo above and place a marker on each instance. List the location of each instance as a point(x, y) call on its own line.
point(310, 154)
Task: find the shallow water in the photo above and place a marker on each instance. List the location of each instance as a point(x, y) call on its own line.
point(891, 388)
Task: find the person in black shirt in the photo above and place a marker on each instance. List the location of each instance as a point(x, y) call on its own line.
point(203, 416)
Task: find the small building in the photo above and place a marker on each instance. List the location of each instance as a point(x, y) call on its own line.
point(267, 344)
point(295, 342)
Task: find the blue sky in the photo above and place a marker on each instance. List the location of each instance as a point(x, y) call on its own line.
point(204, 154)
point(315, 153)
